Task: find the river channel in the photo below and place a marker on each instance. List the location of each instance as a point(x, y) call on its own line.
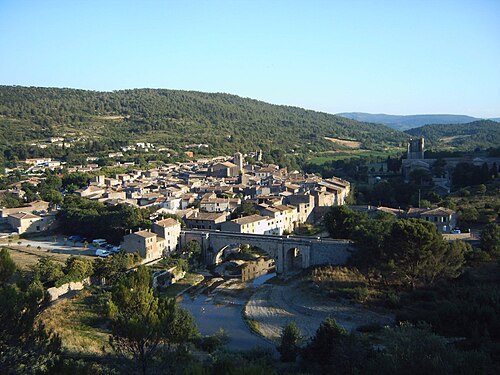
point(212, 314)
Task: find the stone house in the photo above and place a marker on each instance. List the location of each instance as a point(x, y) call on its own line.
point(149, 245)
point(304, 204)
point(170, 230)
point(284, 217)
point(205, 220)
point(23, 222)
point(225, 169)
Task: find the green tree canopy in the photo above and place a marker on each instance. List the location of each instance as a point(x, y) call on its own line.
point(7, 266)
point(142, 322)
point(490, 239)
point(289, 346)
point(417, 254)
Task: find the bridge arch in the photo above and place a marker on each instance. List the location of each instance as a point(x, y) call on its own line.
point(239, 247)
point(289, 252)
point(296, 258)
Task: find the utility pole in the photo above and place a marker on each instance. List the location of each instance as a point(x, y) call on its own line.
point(419, 198)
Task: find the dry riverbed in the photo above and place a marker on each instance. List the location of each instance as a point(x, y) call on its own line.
point(273, 306)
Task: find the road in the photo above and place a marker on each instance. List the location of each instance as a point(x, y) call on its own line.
point(53, 245)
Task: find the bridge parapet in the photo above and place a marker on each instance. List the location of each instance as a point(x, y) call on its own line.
point(312, 251)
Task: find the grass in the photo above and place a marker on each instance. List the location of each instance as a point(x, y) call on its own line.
point(344, 282)
point(82, 330)
point(188, 281)
point(329, 156)
point(254, 325)
point(27, 257)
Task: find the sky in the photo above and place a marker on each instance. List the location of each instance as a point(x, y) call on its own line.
point(395, 57)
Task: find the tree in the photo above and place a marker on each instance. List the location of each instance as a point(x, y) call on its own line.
point(193, 251)
point(490, 239)
point(289, 345)
point(417, 253)
point(322, 345)
point(340, 221)
point(414, 350)
point(48, 270)
point(7, 266)
point(25, 346)
point(54, 197)
point(333, 350)
point(142, 322)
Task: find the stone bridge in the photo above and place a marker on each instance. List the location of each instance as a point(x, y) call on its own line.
point(289, 252)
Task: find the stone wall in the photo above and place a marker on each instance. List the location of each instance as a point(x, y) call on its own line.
point(56, 293)
point(330, 253)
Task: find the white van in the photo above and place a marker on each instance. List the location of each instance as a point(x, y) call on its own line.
point(102, 253)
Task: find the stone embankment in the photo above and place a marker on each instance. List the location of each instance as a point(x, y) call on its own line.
point(56, 293)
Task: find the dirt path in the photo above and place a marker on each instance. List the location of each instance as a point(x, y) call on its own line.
point(274, 306)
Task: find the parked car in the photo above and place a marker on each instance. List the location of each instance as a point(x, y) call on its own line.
point(102, 253)
point(99, 242)
point(116, 249)
point(76, 238)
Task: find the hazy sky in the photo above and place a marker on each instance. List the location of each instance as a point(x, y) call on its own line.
point(397, 57)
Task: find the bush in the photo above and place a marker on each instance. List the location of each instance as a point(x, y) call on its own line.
point(392, 299)
point(359, 293)
point(212, 343)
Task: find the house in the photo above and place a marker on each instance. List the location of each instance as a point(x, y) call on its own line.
point(304, 204)
point(171, 204)
point(285, 217)
point(254, 224)
point(337, 186)
point(91, 192)
point(170, 230)
point(33, 207)
point(225, 169)
point(265, 172)
point(445, 219)
point(211, 203)
point(205, 220)
point(23, 222)
point(149, 245)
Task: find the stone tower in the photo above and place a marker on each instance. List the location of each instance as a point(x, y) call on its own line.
point(238, 160)
point(416, 149)
point(259, 155)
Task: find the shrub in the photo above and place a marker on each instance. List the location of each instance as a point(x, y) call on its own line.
point(392, 299)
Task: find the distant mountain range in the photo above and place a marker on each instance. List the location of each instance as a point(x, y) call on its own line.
point(409, 121)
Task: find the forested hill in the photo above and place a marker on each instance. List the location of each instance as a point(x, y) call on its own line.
point(408, 121)
point(482, 134)
point(176, 118)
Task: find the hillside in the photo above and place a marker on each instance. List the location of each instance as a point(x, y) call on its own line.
point(174, 119)
point(408, 121)
point(482, 134)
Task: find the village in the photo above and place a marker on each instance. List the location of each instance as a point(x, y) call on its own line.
point(223, 194)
